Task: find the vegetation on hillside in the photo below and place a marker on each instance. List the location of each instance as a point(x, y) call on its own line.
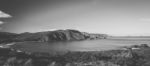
point(48, 36)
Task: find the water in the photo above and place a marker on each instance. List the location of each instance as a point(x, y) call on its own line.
point(86, 45)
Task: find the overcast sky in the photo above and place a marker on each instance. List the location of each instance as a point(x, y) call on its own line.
point(114, 17)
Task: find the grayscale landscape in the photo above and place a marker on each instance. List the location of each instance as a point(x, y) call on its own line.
point(74, 33)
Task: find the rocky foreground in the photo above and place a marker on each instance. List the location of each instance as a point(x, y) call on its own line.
point(128, 57)
point(48, 36)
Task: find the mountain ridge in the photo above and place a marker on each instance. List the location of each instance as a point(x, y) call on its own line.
point(48, 36)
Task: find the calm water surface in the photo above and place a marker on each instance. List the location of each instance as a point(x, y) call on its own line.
point(86, 45)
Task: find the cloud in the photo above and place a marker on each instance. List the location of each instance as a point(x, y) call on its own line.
point(4, 15)
point(145, 19)
point(1, 22)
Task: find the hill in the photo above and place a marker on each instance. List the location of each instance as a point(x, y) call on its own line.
point(7, 37)
point(48, 36)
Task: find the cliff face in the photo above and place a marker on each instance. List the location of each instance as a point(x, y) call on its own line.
point(94, 36)
point(58, 35)
point(62, 35)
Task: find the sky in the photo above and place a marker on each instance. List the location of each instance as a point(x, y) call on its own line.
point(114, 17)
